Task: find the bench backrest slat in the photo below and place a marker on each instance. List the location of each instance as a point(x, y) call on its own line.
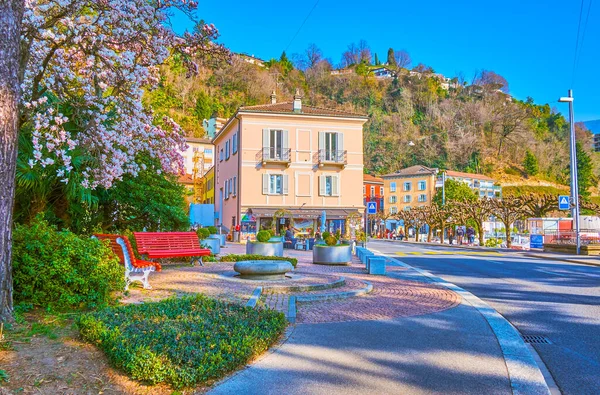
point(123, 250)
point(152, 241)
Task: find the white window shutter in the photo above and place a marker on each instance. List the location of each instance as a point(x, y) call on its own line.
point(265, 184)
point(285, 139)
point(322, 187)
point(321, 140)
point(340, 141)
point(265, 137)
point(335, 185)
point(226, 189)
point(285, 184)
point(391, 200)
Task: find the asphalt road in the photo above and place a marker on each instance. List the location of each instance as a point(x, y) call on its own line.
point(558, 300)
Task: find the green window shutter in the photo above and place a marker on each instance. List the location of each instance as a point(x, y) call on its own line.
point(265, 186)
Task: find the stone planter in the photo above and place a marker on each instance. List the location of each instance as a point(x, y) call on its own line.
point(212, 243)
point(276, 238)
point(221, 239)
point(588, 249)
point(265, 249)
point(263, 270)
point(338, 255)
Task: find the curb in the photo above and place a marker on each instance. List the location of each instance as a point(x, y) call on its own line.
point(561, 259)
point(254, 298)
point(338, 295)
point(340, 282)
point(524, 373)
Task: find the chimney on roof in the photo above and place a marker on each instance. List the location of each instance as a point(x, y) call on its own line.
point(297, 101)
point(273, 98)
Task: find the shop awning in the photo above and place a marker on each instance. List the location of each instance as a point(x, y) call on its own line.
point(332, 213)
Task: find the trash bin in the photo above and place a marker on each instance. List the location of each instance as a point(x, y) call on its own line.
point(236, 237)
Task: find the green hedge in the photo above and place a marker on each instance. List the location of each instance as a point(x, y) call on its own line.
point(182, 342)
point(244, 257)
point(60, 270)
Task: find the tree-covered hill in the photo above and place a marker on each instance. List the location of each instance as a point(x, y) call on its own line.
point(453, 123)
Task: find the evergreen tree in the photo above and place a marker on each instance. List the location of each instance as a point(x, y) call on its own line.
point(376, 60)
point(584, 171)
point(530, 164)
point(390, 57)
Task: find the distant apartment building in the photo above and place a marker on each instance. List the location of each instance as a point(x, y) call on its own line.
point(409, 188)
point(482, 185)
point(596, 143)
point(208, 196)
point(373, 191)
point(306, 160)
point(203, 149)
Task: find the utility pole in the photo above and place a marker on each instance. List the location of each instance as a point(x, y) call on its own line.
point(574, 182)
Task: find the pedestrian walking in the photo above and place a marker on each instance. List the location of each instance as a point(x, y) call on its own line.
point(401, 234)
point(471, 235)
point(459, 235)
point(450, 236)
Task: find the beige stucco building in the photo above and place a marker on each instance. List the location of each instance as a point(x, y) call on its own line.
point(409, 188)
point(288, 155)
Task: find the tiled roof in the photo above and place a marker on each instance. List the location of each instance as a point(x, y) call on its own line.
point(287, 108)
point(413, 171)
point(186, 179)
point(452, 173)
point(198, 140)
point(367, 178)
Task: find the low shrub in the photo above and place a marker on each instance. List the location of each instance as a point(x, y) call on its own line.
point(263, 236)
point(212, 230)
point(331, 241)
point(492, 242)
point(202, 233)
point(326, 235)
point(271, 232)
point(250, 257)
point(182, 342)
point(60, 270)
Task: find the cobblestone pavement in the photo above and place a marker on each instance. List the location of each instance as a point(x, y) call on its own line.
point(391, 297)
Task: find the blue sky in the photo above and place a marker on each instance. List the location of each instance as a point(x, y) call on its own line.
point(531, 43)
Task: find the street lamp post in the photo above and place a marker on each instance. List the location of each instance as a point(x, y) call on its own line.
point(574, 183)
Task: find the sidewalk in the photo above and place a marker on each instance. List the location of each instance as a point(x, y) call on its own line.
point(410, 337)
point(554, 256)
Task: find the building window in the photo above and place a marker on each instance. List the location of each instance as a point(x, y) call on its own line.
point(221, 155)
point(422, 185)
point(381, 191)
point(407, 186)
point(393, 210)
point(422, 198)
point(234, 143)
point(226, 189)
point(227, 145)
point(372, 191)
point(231, 186)
point(392, 187)
point(364, 190)
point(407, 208)
point(208, 151)
point(275, 184)
point(393, 199)
point(329, 185)
point(407, 198)
point(275, 144)
point(491, 194)
point(235, 186)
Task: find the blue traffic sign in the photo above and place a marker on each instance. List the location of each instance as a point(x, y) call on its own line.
point(536, 241)
point(371, 208)
point(563, 202)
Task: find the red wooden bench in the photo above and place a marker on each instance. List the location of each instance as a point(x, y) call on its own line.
point(135, 269)
point(158, 245)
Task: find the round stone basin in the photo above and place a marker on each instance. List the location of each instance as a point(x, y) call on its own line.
point(263, 270)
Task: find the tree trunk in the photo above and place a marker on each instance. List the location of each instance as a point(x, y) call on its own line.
point(508, 239)
point(480, 231)
point(429, 234)
point(11, 15)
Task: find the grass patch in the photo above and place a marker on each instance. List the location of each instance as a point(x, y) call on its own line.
point(250, 257)
point(182, 342)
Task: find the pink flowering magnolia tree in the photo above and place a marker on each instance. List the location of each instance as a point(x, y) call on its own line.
point(72, 76)
point(96, 58)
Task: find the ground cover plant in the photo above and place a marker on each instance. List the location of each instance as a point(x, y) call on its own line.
point(251, 257)
point(182, 341)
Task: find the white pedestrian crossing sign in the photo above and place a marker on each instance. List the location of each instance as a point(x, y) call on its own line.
point(563, 202)
point(371, 208)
